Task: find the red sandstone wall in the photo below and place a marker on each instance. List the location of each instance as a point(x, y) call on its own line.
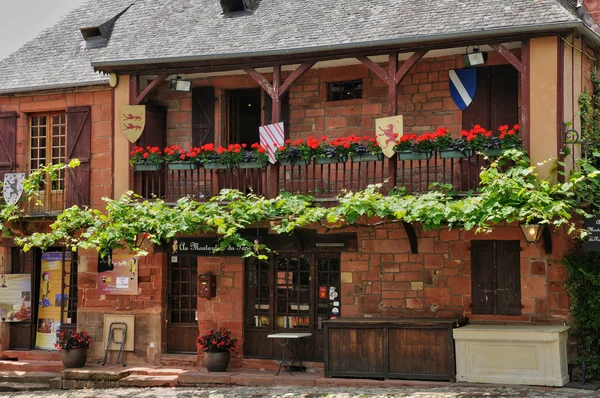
point(384, 279)
point(102, 142)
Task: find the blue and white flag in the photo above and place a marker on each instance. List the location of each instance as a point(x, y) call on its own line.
point(463, 85)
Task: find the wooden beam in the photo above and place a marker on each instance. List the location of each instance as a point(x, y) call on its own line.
point(133, 88)
point(151, 87)
point(295, 75)
point(264, 83)
point(408, 64)
point(525, 95)
point(276, 113)
point(508, 55)
point(373, 67)
point(392, 85)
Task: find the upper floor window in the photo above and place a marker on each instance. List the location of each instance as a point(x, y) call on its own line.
point(347, 90)
point(47, 135)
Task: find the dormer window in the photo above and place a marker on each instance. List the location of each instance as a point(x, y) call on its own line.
point(89, 33)
point(237, 5)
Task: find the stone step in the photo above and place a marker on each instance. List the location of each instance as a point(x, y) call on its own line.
point(148, 381)
point(151, 371)
point(17, 387)
point(31, 366)
point(31, 355)
point(27, 377)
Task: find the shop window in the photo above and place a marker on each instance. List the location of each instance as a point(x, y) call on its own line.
point(495, 277)
point(339, 91)
point(47, 137)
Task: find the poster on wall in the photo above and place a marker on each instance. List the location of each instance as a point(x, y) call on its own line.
point(51, 298)
point(119, 275)
point(15, 297)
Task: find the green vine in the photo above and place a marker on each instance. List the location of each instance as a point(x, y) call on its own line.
point(514, 194)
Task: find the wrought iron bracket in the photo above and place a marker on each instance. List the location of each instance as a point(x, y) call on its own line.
point(412, 237)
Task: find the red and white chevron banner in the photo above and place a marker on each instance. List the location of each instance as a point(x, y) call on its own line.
point(271, 138)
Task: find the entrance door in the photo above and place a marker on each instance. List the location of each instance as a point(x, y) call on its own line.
point(182, 326)
point(244, 116)
point(290, 293)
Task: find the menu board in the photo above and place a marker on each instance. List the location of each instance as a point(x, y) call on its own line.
point(118, 274)
point(15, 297)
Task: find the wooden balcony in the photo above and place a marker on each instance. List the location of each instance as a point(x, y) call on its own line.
point(324, 181)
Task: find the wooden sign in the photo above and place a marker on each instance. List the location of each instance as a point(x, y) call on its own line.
point(133, 121)
point(207, 247)
point(387, 130)
point(592, 242)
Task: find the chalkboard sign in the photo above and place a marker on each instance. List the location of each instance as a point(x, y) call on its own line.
point(592, 242)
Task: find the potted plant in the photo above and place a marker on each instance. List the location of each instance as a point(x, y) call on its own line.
point(255, 158)
point(298, 152)
point(178, 159)
point(366, 149)
point(215, 158)
point(413, 147)
point(217, 346)
point(73, 348)
point(146, 159)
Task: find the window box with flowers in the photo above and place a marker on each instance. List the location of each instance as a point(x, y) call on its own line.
point(217, 346)
point(413, 147)
point(336, 151)
point(255, 158)
point(179, 159)
point(449, 148)
point(508, 139)
point(298, 152)
point(366, 150)
point(216, 158)
point(146, 159)
point(73, 348)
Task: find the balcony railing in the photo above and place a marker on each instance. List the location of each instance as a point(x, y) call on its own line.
point(320, 180)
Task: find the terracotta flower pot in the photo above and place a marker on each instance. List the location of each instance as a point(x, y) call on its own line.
point(74, 358)
point(216, 361)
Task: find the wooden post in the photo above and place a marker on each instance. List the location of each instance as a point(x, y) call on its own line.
point(273, 177)
point(276, 90)
point(392, 111)
point(525, 94)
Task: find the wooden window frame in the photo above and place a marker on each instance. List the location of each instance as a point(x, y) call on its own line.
point(353, 96)
point(51, 199)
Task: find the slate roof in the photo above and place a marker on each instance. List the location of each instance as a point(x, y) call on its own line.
point(160, 30)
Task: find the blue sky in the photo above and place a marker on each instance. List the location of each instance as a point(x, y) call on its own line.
point(22, 20)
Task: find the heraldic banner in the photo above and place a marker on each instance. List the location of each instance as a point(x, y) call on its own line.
point(51, 298)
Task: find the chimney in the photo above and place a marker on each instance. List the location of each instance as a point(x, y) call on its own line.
point(592, 7)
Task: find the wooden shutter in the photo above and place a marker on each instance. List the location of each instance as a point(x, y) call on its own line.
point(508, 277)
point(8, 142)
point(203, 115)
point(155, 130)
point(479, 110)
point(285, 111)
point(79, 143)
point(483, 277)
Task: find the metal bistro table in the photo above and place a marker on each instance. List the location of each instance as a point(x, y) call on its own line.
point(284, 339)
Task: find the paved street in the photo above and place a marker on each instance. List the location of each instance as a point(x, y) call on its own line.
point(339, 392)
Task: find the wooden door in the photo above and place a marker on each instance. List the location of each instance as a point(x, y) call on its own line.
point(182, 324)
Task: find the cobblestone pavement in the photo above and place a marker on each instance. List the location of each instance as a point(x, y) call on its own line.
point(309, 392)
